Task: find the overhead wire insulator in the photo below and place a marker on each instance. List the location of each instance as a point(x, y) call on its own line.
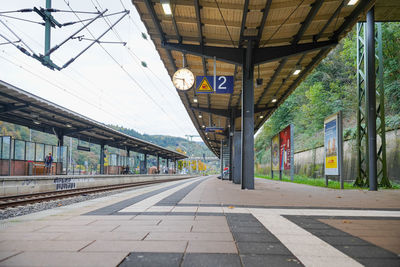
point(144, 36)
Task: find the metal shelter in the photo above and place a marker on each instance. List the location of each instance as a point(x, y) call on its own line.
point(265, 39)
point(23, 108)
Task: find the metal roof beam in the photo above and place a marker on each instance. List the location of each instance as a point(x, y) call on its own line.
point(268, 54)
point(43, 127)
point(263, 20)
point(261, 55)
point(12, 107)
point(227, 113)
point(352, 18)
point(77, 130)
point(218, 112)
point(306, 23)
point(244, 17)
point(226, 54)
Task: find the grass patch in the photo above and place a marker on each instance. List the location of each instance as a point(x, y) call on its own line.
point(299, 179)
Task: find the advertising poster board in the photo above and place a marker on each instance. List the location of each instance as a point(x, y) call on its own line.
point(331, 137)
point(275, 153)
point(285, 149)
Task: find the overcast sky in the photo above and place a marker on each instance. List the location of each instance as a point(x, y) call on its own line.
point(95, 85)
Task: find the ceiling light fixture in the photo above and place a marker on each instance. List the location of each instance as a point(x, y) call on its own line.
point(352, 2)
point(274, 100)
point(200, 116)
point(68, 125)
point(261, 116)
point(166, 7)
point(36, 122)
point(297, 70)
point(195, 99)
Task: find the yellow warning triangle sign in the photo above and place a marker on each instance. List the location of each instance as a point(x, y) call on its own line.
point(204, 86)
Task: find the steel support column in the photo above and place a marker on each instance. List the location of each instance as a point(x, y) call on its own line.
point(60, 155)
point(221, 153)
point(47, 32)
point(175, 166)
point(158, 163)
point(231, 134)
point(248, 118)
point(370, 78)
point(145, 163)
point(237, 157)
point(102, 159)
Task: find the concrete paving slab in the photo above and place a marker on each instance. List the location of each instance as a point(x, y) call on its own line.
point(270, 260)
point(209, 259)
point(137, 246)
point(65, 259)
point(211, 247)
point(76, 228)
point(8, 254)
point(92, 236)
point(152, 259)
point(210, 229)
point(43, 245)
point(190, 236)
point(27, 236)
point(155, 228)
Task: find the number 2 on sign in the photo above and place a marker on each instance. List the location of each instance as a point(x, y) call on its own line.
point(221, 85)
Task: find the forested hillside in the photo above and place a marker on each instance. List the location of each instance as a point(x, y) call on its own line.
point(332, 87)
point(171, 142)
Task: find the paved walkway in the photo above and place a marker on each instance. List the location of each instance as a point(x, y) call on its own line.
point(208, 222)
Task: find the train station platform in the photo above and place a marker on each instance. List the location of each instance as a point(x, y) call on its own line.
point(205, 221)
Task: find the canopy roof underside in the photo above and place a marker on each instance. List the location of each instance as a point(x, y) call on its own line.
point(271, 23)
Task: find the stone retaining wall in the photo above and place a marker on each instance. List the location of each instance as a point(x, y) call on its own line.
point(311, 162)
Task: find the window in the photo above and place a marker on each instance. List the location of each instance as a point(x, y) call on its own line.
point(39, 152)
point(19, 150)
point(6, 147)
point(30, 151)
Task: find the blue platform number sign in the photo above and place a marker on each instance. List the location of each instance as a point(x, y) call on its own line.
point(205, 85)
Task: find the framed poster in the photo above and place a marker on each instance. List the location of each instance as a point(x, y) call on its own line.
point(275, 152)
point(285, 149)
point(331, 137)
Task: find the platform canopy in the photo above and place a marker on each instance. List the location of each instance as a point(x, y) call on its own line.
point(287, 35)
point(23, 108)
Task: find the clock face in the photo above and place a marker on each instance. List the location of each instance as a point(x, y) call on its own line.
point(183, 79)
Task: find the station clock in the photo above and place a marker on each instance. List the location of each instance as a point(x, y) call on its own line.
point(183, 79)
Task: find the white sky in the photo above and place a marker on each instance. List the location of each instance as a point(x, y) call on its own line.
point(94, 85)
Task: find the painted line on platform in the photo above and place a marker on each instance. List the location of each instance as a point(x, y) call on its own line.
point(309, 249)
point(145, 204)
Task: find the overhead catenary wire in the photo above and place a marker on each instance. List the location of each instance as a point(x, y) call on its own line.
point(57, 86)
point(63, 73)
point(135, 57)
point(129, 75)
point(21, 19)
point(68, 76)
point(5, 25)
point(91, 82)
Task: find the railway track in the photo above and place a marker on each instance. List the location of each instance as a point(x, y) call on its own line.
point(21, 200)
